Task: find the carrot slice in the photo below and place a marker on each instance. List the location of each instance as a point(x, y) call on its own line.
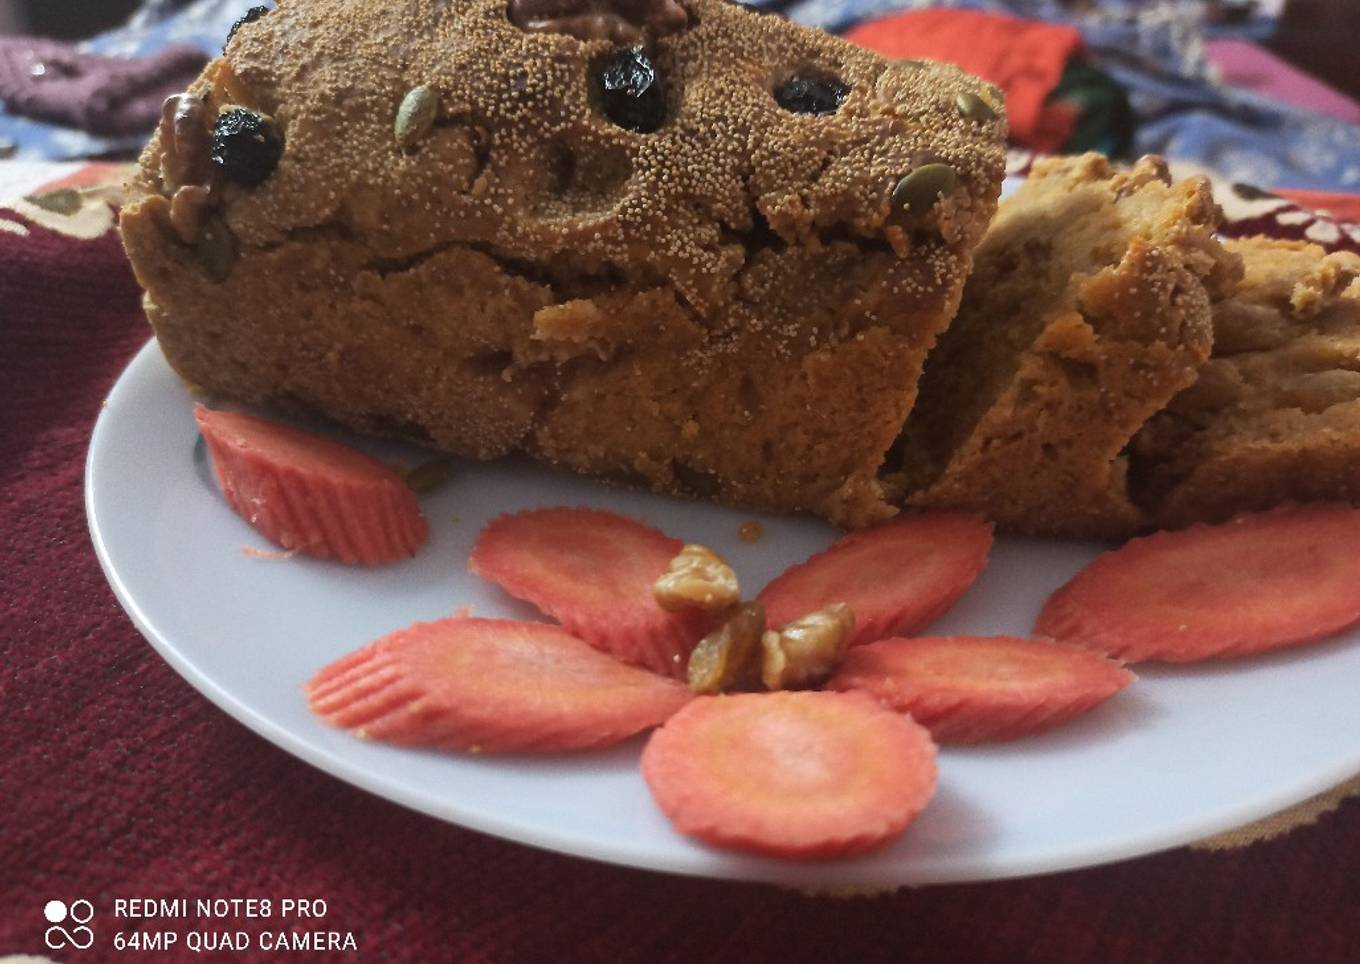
point(803, 774)
point(490, 685)
point(310, 494)
point(966, 689)
point(593, 571)
point(897, 578)
point(1257, 583)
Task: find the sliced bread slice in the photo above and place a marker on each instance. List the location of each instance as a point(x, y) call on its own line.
point(1275, 414)
point(1089, 309)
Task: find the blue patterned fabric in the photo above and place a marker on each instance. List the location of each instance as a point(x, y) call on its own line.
point(1154, 48)
point(202, 23)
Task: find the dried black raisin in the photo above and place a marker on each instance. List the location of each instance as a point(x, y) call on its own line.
point(251, 15)
point(631, 91)
point(246, 146)
point(811, 95)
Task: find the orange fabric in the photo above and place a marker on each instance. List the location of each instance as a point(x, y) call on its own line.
point(1023, 57)
point(1343, 207)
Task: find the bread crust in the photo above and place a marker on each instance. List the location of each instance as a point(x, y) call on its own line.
point(728, 307)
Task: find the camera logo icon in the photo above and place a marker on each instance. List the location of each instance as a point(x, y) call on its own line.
point(79, 914)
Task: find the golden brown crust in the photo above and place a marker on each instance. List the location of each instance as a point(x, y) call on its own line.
point(728, 306)
point(1089, 309)
point(1275, 415)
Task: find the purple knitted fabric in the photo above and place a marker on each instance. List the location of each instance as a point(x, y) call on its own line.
point(109, 96)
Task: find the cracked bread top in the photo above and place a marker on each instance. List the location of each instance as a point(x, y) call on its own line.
point(522, 154)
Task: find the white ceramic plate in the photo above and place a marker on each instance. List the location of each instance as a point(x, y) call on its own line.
point(1181, 754)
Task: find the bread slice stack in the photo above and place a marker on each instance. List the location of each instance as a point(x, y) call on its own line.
point(1088, 311)
point(1275, 414)
point(1114, 367)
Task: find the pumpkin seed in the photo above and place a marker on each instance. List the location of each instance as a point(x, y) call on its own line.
point(216, 249)
point(429, 475)
point(918, 191)
point(64, 201)
point(416, 115)
point(974, 108)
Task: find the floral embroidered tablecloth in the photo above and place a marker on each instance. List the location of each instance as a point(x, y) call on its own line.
point(118, 781)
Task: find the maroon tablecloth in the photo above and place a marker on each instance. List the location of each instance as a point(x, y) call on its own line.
point(118, 781)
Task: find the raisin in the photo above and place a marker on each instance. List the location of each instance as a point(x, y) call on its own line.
point(631, 91)
point(246, 146)
point(251, 15)
point(811, 95)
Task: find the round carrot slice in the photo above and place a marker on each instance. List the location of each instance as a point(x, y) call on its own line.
point(593, 571)
point(309, 493)
point(803, 774)
point(490, 685)
point(1260, 582)
point(966, 689)
point(897, 578)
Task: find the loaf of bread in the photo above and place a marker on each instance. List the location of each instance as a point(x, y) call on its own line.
point(1088, 311)
point(667, 242)
point(1275, 414)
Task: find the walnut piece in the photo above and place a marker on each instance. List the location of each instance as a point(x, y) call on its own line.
point(729, 656)
point(619, 21)
point(190, 208)
point(806, 651)
point(697, 579)
point(185, 141)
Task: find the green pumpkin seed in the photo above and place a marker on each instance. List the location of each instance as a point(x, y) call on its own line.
point(918, 191)
point(974, 108)
point(429, 475)
point(216, 249)
point(416, 115)
point(64, 201)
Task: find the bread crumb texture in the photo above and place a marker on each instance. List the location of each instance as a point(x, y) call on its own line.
point(1275, 414)
point(1088, 311)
